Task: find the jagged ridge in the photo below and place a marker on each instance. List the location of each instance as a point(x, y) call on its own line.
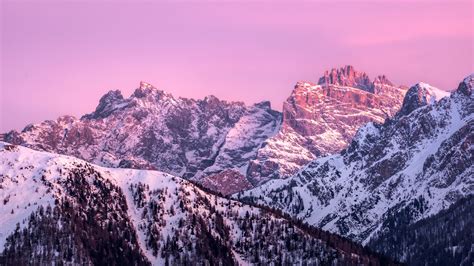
point(321, 119)
point(153, 130)
point(227, 146)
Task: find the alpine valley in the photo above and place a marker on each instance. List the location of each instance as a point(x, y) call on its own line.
point(353, 171)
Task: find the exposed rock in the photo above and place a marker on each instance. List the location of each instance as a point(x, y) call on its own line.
point(346, 77)
point(227, 182)
point(406, 169)
point(107, 104)
point(197, 138)
point(420, 95)
point(153, 130)
point(322, 119)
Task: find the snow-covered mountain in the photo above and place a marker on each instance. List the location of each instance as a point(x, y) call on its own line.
point(226, 146)
point(406, 169)
point(321, 119)
point(57, 209)
point(153, 130)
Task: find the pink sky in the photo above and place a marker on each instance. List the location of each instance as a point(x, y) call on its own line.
point(61, 57)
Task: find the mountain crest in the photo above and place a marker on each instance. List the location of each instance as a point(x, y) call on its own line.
point(266, 105)
point(211, 99)
point(146, 89)
point(465, 87)
point(144, 85)
point(107, 104)
point(382, 80)
point(346, 76)
point(321, 119)
point(420, 95)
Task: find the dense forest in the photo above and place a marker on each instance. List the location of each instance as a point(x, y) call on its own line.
point(446, 238)
point(87, 225)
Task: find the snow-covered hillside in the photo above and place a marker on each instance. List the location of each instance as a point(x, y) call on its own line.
point(59, 209)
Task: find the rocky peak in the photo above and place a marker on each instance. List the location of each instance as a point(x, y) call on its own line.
point(302, 86)
point(66, 119)
point(264, 105)
point(211, 105)
point(211, 99)
point(420, 95)
point(110, 97)
point(348, 77)
point(145, 90)
point(465, 87)
point(321, 119)
point(382, 80)
point(144, 85)
point(106, 105)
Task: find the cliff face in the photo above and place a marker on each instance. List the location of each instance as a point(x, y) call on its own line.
point(321, 119)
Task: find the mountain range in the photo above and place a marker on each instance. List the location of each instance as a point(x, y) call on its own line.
point(352, 171)
point(227, 146)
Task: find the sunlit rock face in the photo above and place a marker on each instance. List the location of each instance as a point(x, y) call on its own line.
point(321, 119)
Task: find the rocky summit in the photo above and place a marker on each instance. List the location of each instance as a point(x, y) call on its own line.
point(321, 119)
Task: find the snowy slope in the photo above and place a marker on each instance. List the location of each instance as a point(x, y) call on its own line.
point(435, 93)
point(67, 210)
point(415, 164)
